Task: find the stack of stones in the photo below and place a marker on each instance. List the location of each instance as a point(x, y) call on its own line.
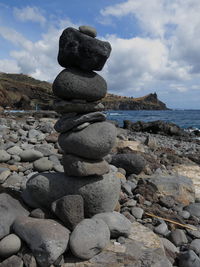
point(85, 137)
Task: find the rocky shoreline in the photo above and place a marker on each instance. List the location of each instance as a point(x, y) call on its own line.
point(159, 176)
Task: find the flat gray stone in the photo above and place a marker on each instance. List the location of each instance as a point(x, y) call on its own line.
point(69, 209)
point(89, 238)
point(10, 209)
point(76, 166)
point(4, 173)
point(4, 156)
point(194, 209)
point(93, 142)
point(9, 245)
point(30, 155)
point(15, 150)
point(88, 30)
point(73, 83)
point(80, 50)
point(117, 223)
point(42, 164)
point(137, 212)
point(13, 261)
point(178, 237)
point(65, 123)
point(62, 106)
point(100, 194)
point(47, 239)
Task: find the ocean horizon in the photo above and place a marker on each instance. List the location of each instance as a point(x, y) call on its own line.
point(184, 118)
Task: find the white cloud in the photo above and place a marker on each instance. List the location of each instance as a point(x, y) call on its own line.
point(9, 65)
point(166, 50)
point(29, 14)
point(38, 59)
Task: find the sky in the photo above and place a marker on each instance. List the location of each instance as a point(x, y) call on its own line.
point(155, 43)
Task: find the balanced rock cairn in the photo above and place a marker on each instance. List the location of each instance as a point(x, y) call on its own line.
point(85, 137)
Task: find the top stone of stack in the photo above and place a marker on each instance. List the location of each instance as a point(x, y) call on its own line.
point(79, 48)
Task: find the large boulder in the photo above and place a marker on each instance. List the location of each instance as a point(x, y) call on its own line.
point(131, 162)
point(47, 239)
point(69, 121)
point(10, 209)
point(80, 50)
point(93, 142)
point(100, 193)
point(73, 83)
point(89, 238)
point(76, 166)
point(180, 187)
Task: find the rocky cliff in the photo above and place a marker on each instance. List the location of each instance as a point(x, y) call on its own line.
point(19, 91)
point(148, 102)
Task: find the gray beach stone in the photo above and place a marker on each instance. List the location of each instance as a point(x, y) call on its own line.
point(76, 166)
point(4, 156)
point(100, 194)
point(161, 229)
point(47, 239)
point(4, 173)
point(42, 164)
point(12, 261)
point(131, 162)
point(88, 30)
point(80, 50)
point(89, 238)
point(30, 155)
point(178, 237)
point(15, 150)
point(93, 142)
point(9, 245)
point(73, 83)
point(195, 246)
point(194, 209)
point(69, 209)
point(63, 107)
point(117, 223)
point(66, 123)
point(189, 259)
point(10, 209)
point(137, 212)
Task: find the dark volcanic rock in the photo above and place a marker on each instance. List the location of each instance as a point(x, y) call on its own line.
point(67, 122)
point(73, 83)
point(155, 127)
point(100, 194)
point(46, 238)
point(80, 50)
point(75, 166)
point(93, 142)
point(62, 107)
point(10, 209)
point(131, 162)
point(70, 210)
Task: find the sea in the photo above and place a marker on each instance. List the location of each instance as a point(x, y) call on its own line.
point(187, 119)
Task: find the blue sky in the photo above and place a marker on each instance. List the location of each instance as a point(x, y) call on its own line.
point(155, 44)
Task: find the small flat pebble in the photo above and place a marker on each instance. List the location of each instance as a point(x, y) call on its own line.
point(88, 30)
point(161, 229)
point(9, 245)
point(195, 246)
point(137, 212)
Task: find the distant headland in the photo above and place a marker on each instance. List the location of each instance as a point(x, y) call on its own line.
point(19, 91)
